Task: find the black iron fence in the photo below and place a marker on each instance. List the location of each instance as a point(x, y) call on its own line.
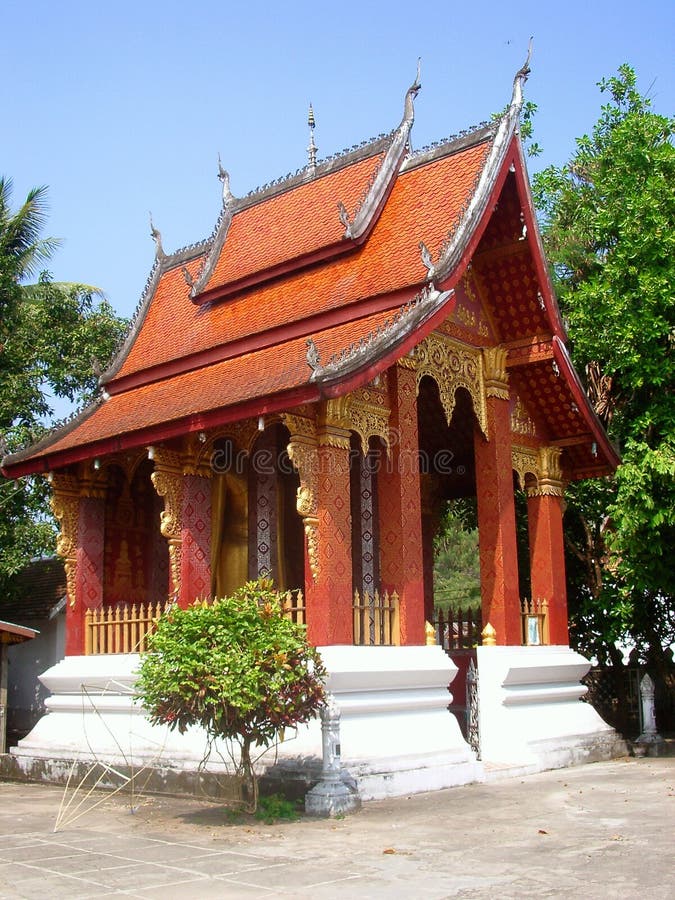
point(614, 692)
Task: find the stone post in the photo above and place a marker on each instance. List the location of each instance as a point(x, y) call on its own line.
point(650, 740)
point(331, 796)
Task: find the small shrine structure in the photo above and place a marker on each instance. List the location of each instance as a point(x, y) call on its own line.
point(296, 398)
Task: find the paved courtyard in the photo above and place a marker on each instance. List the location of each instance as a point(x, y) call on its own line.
point(598, 831)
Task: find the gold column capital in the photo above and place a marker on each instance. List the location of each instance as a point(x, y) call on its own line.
point(334, 436)
point(195, 460)
point(93, 482)
point(550, 482)
point(496, 376)
point(334, 415)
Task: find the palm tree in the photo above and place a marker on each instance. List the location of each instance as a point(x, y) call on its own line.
point(49, 333)
point(22, 250)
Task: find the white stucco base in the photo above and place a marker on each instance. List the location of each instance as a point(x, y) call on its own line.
point(397, 736)
point(531, 716)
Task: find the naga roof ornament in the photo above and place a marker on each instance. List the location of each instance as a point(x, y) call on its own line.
point(155, 234)
point(379, 189)
point(224, 179)
point(470, 215)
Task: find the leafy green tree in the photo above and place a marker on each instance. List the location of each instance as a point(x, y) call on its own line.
point(49, 334)
point(456, 560)
point(609, 230)
point(238, 668)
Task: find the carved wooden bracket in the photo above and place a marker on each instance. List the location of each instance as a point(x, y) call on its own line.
point(452, 365)
point(65, 505)
point(168, 481)
point(525, 461)
point(369, 417)
point(303, 451)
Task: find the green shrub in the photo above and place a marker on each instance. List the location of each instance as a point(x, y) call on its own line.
point(275, 807)
point(237, 667)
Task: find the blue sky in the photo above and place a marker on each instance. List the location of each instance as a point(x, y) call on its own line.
point(122, 108)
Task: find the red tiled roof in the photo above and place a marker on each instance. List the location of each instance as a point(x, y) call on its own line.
point(291, 224)
point(189, 366)
point(258, 375)
point(423, 204)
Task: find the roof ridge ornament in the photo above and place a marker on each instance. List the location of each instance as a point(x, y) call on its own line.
point(427, 260)
point(411, 94)
point(224, 178)
point(312, 149)
point(476, 201)
point(313, 359)
point(156, 235)
point(521, 77)
point(380, 186)
point(189, 280)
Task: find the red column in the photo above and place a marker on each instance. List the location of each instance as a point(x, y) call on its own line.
point(195, 562)
point(401, 557)
point(328, 580)
point(91, 530)
point(547, 547)
point(496, 514)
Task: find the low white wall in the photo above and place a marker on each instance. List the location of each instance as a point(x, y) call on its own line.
point(396, 733)
point(530, 709)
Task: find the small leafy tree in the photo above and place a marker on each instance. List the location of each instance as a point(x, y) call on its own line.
point(237, 667)
point(456, 560)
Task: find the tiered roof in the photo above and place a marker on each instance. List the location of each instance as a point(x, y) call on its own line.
point(363, 251)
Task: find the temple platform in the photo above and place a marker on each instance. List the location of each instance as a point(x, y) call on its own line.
point(397, 736)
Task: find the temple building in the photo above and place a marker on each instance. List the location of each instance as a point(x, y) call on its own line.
point(297, 397)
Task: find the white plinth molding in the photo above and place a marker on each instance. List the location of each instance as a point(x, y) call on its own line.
point(531, 713)
point(396, 733)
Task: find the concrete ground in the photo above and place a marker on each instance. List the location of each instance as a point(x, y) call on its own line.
point(596, 831)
